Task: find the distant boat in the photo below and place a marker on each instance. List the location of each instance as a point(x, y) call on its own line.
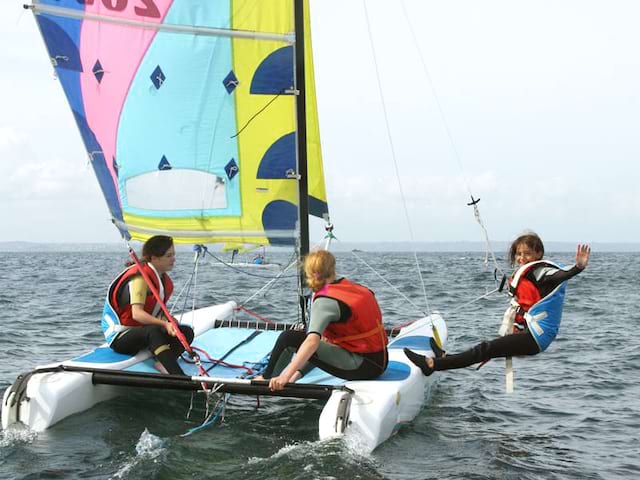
point(257, 257)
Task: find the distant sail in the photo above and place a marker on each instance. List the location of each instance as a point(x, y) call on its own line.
point(187, 112)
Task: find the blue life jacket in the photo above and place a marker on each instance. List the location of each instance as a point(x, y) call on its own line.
point(544, 316)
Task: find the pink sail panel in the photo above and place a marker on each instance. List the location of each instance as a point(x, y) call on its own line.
point(111, 54)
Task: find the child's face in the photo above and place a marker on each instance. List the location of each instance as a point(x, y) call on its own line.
point(524, 254)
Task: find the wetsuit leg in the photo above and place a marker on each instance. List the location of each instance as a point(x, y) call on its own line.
point(515, 345)
point(174, 343)
point(152, 337)
point(287, 344)
point(330, 358)
point(351, 366)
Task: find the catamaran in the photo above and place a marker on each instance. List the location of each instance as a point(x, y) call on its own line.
point(257, 257)
point(200, 121)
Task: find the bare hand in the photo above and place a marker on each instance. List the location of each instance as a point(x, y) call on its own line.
point(582, 256)
point(171, 329)
point(278, 383)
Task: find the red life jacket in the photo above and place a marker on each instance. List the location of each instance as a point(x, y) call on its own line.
point(124, 312)
point(526, 294)
point(363, 331)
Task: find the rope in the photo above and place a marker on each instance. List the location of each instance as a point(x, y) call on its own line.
point(187, 286)
point(486, 295)
point(452, 143)
point(254, 314)
point(393, 156)
point(239, 270)
point(218, 361)
point(271, 282)
point(388, 283)
point(258, 113)
point(179, 335)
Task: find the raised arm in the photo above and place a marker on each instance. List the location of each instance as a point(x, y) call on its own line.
point(582, 256)
point(549, 278)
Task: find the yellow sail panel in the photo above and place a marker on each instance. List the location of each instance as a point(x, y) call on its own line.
point(317, 193)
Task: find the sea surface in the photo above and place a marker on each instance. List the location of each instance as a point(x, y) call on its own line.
point(575, 412)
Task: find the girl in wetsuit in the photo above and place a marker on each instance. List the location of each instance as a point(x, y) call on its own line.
point(345, 337)
point(538, 289)
point(132, 319)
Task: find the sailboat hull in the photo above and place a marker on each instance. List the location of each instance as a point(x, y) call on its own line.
point(378, 408)
point(365, 412)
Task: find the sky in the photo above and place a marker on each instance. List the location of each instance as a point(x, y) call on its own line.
point(534, 107)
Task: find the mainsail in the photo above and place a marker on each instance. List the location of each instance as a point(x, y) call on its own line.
point(187, 111)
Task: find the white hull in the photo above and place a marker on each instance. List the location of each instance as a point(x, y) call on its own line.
point(249, 265)
point(51, 397)
point(370, 415)
point(379, 408)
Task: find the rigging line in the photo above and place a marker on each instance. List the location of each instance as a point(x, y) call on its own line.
point(454, 149)
point(187, 287)
point(486, 295)
point(393, 155)
point(196, 261)
point(193, 280)
point(239, 270)
point(258, 113)
point(270, 282)
point(292, 260)
point(388, 282)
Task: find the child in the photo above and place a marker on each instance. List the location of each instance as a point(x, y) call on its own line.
point(132, 319)
point(345, 338)
point(538, 289)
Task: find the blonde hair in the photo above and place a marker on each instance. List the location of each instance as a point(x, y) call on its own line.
point(319, 268)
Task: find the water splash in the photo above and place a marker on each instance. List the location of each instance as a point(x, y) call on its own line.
point(16, 434)
point(150, 448)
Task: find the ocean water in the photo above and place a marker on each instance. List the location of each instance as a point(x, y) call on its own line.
point(575, 412)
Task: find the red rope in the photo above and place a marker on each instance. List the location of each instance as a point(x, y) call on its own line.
point(222, 362)
point(255, 314)
point(165, 310)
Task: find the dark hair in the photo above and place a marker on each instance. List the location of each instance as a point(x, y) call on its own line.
point(156, 246)
point(531, 240)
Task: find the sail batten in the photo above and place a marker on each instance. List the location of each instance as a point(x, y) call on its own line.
point(188, 29)
point(188, 111)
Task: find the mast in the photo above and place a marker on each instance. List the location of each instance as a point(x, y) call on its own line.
point(301, 137)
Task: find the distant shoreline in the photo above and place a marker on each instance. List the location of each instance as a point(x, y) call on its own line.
point(435, 247)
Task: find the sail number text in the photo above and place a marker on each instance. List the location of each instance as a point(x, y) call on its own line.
point(146, 8)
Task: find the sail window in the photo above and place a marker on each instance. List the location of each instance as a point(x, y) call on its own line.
point(176, 189)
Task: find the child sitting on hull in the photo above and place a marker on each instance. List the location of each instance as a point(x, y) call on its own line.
point(538, 290)
point(346, 337)
point(132, 318)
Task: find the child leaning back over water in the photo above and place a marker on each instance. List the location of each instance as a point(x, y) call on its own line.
point(538, 289)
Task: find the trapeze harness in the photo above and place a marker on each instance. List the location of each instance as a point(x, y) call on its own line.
point(363, 331)
point(117, 318)
point(541, 315)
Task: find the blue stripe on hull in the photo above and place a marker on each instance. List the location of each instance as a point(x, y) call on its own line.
point(420, 342)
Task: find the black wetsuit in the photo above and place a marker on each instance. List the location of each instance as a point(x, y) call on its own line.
point(329, 357)
point(546, 279)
